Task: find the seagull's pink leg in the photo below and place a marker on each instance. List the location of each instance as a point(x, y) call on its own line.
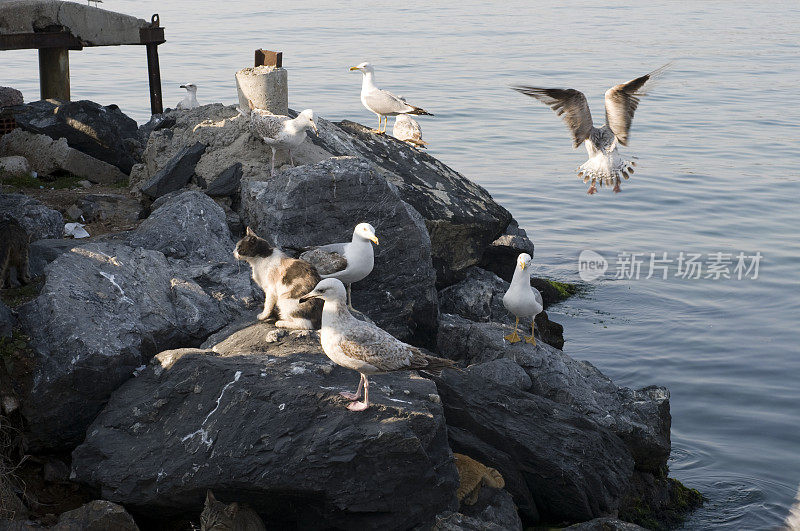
point(357, 394)
point(361, 406)
point(592, 189)
point(272, 169)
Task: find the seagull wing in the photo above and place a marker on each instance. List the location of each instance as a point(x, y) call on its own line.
point(266, 125)
point(622, 102)
point(384, 102)
point(569, 103)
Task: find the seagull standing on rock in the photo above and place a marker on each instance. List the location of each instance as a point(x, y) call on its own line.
point(522, 299)
point(280, 132)
point(190, 101)
point(362, 346)
point(605, 164)
point(382, 102)
point(359, 255)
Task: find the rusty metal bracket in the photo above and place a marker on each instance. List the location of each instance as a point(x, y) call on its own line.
point(269, 58)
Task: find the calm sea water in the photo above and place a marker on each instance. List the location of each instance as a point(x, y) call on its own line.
point(718, 172)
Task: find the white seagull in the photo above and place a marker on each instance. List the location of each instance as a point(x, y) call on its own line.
point(522, 299)
point(362, 346)
point(605, 164)
point(190, 101)
point(382, 102)
point(408, 130)
point(359, 255)
point(280, 132)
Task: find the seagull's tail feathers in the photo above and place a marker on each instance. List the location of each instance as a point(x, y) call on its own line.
point(417, 143)
point(418, 111)
point(606, 169)
point(435, 365)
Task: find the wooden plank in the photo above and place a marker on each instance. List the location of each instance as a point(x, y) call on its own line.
point(269, 58)
point(54, 73)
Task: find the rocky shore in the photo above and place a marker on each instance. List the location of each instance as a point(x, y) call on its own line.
point(137, 377)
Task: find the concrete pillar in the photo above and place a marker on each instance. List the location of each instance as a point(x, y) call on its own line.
point(54, 73)
point(266, 86)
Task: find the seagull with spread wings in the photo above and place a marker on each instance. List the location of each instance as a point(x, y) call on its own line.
point(605, 165)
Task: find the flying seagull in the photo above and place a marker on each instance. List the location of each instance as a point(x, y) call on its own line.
point(362, 346)
point(190, 101)
point(280, 132)
point(382, 102)
point(605, 164)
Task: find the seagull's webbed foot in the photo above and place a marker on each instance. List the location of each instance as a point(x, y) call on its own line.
point(358, 406)
point(513, 337)
point(617, 189)
point(592, 189)
point(531, 339)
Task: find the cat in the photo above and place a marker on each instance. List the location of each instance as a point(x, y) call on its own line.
point(472, 476)
point(283, 280)
point(217, 516)
point(14, 252)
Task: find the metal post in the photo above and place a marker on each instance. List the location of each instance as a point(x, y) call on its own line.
point(154, 76)
point(54, 73)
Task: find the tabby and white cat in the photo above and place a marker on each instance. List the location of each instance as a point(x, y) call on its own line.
point(283, 280)
point(14, 252)
point(217, 516)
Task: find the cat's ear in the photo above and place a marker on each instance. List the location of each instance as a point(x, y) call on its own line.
point(250, 232)
point(210, 497)
point(232, 509)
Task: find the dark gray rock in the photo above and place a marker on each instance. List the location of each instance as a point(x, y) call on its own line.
point(495, 506)
point(552, 458)
point(176, 173)
point(461, 217)
point(227, 183)
point(38, 220)
point(605, 524)
point(449, 521)
point(640, 418)
point(322, 203)
point(105, 133)
point(10, 96)
point(97, 515)
point(479, 297)
point(7, 320)
point(500, 257)
point(105, 309)
point(42, 252)
point(268, 429)
point(503, 371)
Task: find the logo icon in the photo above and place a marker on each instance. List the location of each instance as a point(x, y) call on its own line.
point(591, 265)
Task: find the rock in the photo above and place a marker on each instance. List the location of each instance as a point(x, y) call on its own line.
point(42, 252)
point(604, 524)
point(640, 417)
point(14, 165)
point(227, 183)
point(7, 320)
point(553, 459)
point(176, 173)
point(450, 521)
point(104, 133)
point(553, 291)
point(98, 515)
point(38, 220)
point(55, 470)
point(496, 506)
point(461, 217)
point(85, 183)
point(268, 429)
point(105, 309)
point(73, 212)
point(479, 297)
point(10, 97)
point(48, 156)
point(321, 204)
point(503, 371)
point(500, 257)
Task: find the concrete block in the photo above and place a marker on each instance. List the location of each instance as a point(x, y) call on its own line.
point(266, 86)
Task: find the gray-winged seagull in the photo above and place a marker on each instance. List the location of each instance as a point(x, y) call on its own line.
point(280, 132)
point(359, 255)
point(522, 299)
point(190, 100)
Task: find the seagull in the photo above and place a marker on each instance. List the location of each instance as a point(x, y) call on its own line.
point(190, 101)
point(522, 299)
point(605, 163)
point(408, 130)
point(362, 346)
point(280, 131)
point(358, 254)
point(382, 102)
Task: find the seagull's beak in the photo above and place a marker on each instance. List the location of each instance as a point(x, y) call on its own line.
point(183, 86)
point(315, 127)
point(308, 296)
point(374, 239)
point(521, 264)
point(354, 68)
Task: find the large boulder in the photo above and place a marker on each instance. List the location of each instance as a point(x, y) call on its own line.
point(176, 173)
point(558, 464)
point(322, 203)
point(479, 297)
point(104, 310)
point(461, 216)
point(7, 321)
point(604, 524)
point(38, 220)
point(10, 96)
point(269, 429)
point(640, 418)
point(500, 257)
point(104, 133)
point(97, 515)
